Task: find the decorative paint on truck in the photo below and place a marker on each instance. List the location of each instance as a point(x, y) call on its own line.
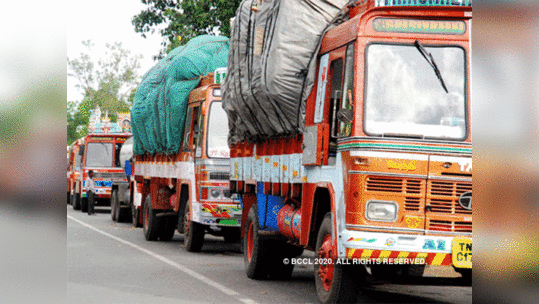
point(383, 170)
point(98, 152)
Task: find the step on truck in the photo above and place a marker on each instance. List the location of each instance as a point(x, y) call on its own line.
point(380, 180)
point(189, 190)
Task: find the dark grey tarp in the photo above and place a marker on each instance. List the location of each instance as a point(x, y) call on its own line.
point(271, 64)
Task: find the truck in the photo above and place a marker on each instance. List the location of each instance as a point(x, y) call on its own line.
point(98, 152)
point(188, 191)
point(379, 179)
point(73, 169)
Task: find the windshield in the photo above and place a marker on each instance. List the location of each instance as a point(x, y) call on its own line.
point(218, 132)
point(405, 96)
point(77, 161)
point(99, 155)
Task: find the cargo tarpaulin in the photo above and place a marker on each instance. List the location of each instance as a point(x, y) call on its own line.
point(271, 64)
point(160, 105)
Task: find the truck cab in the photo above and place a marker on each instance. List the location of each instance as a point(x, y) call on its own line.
point(100, 153)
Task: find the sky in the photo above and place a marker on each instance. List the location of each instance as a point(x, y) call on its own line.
point(107, 21)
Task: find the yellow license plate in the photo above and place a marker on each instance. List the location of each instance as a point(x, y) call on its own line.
point(462, 252)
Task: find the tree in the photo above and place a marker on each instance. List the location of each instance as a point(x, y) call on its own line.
point(184, 19)
point(109, 83)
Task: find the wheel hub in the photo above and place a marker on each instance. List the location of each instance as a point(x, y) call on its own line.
point(325, 271)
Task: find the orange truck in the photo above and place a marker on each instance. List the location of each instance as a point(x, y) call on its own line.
point(189, 190)
point(73, 169)
point(98, 152)
point(380, 181)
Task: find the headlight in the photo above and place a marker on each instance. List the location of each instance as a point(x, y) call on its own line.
point(226, 193)
point(215, 193)
point(381, 211)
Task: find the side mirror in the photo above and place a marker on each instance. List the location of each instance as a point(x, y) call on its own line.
point(345, 115)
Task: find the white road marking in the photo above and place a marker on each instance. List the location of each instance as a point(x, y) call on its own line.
point(180, 267)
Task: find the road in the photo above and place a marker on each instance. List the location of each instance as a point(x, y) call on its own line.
point(111, 262)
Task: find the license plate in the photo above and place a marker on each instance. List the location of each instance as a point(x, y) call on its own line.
point(462, 252)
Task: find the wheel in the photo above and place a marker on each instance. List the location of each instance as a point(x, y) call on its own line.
point(232, 235)
point(335, 283)
point(114, 206)
point(194, 233)
point(135, 216)
point(75, 201)
point(84, 204)
point(256, 250)
point(167, 228)
point(150, 222)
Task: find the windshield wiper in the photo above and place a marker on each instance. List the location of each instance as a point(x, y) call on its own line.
point(431, 62)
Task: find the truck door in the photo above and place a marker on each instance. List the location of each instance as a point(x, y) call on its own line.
point(320, 140)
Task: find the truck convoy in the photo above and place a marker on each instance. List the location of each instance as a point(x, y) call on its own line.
point(98, 152)
point(350, 135)
point(180, 155)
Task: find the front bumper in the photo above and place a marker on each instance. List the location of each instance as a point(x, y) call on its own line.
point(405, 248)
point(218, 214)
point(101, 192)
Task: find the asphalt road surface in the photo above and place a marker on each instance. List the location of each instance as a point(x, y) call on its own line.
point(111, 262)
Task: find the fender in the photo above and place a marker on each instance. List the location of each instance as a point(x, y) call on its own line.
point(310, 211)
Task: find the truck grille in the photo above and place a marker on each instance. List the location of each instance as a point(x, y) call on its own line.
point(443, 196)
point(409, 187)
point(110, 175)
point(219, 175)
point(450, 226)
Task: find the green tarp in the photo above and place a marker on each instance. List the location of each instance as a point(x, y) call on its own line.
point(160, 105)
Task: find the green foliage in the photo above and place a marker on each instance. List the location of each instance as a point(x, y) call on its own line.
point(109, 83)
point(184, 19)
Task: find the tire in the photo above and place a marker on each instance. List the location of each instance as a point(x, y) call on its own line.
point(335, 283)
point(135, 217)
point(167, 228)
point(256, 250)
point(114, 206)
point(84, 204)
point(194, 234)
point(75, 201)
point(150, 222)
